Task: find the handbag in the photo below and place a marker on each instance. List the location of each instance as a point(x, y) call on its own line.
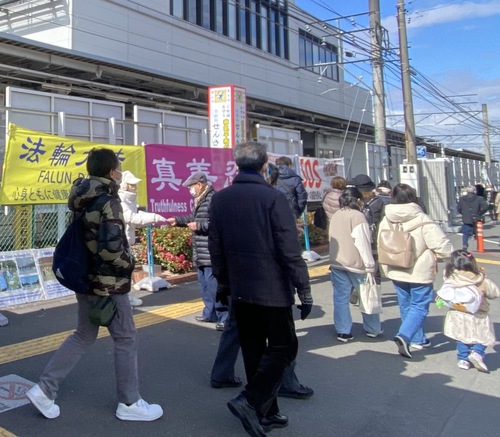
point(370, 299)
point(103, 311)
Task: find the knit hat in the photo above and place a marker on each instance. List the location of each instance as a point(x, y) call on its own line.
point(363, 182)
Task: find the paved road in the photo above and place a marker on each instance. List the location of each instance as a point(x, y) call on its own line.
point(363, 388)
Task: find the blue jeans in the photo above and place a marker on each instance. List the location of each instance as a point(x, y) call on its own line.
point(229, 346)
point(414, 301)
point(343, 281)
point(467, 231)
point(464, 350)
point(213, 311)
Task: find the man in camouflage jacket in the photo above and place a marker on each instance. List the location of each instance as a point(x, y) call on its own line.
point(110, 270)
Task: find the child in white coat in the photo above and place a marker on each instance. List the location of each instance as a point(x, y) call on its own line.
point(473, 332)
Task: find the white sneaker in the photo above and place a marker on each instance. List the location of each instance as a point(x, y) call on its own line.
point(477, 362)
point(140, 411)
point(419, 346)
point(463, 364)
point(134, 301)
point(43, 404)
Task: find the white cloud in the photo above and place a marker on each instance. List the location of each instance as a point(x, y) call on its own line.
point(445, 13)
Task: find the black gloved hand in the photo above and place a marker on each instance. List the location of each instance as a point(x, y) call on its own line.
point(305, 310)
point(222, 294)
point(306, 302)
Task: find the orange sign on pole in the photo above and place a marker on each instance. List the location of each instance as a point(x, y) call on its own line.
point(480, 240)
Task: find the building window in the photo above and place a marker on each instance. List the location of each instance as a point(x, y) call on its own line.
point(262, 24)
point(313, 51)
point(328, 153)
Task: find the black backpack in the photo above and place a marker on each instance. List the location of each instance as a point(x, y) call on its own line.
point(71, 259)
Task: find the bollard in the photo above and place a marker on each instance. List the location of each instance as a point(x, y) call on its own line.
point(479, 234)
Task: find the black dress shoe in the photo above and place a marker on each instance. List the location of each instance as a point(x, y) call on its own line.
point(303, 392)
point(202, 319)
point(276, 421)
point(236, 382)
point(240, 407)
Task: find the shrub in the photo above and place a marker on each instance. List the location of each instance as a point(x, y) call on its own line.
point(317, 236)
point(172, 249)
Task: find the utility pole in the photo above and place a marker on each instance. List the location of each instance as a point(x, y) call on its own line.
point(486, 134)
point(378, 74)
point(411, 149)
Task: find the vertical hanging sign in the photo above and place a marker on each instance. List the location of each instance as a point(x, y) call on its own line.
point(227, 115)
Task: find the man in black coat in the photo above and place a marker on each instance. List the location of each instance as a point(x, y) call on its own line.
point(472, 207)
point(198, 222)
point(256, 257)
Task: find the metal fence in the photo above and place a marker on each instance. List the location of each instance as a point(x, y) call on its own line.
point(31, 226)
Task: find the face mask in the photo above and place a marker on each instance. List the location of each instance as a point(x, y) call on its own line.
point(118, 181)
point(192, 191)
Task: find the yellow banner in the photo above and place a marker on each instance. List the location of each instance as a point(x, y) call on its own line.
point(40, 168)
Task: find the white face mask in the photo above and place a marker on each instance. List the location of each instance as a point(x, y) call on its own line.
point(192, 191)
point(118, 181)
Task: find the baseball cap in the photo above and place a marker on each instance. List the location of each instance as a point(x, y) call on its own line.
point(129, 178)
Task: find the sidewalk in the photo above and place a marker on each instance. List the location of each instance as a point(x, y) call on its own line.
point(363, 388)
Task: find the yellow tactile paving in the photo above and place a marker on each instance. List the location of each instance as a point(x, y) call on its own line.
point(5, 433)
point(49, 343)
point(319, 271)
point(487, 261)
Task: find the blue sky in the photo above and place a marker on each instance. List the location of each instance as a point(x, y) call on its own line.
point(455, 44)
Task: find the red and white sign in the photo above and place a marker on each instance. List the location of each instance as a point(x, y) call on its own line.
point(227, 116)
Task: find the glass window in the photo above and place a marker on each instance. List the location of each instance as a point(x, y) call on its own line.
point(313, 50)
point(284, 36)
point(253, 23)
point(242, 22)
point(177, 8)
point(191, 11)
point(259, 23)
point(231, 20)
point(276, 25)
point(219, 16)
point(264, 28)
point(205, 14)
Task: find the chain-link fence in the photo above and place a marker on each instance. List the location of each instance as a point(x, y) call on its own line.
point(31, 226)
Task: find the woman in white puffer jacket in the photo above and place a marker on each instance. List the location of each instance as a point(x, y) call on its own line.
point(133, 217)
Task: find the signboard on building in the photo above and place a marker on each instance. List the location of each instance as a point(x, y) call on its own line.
point(227, 116)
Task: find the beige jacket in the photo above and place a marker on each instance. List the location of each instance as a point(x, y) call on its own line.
point(472, 328)
point(497, 203)
point(350, 242)
point(430, 240)
point(331, 202)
